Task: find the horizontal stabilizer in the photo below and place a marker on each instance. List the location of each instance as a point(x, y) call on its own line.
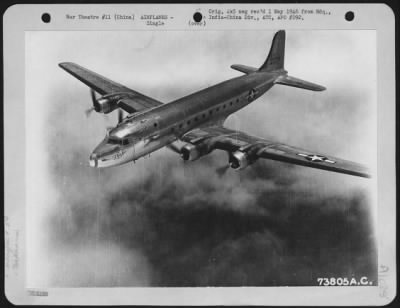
point(298, 83)
point(244, 68)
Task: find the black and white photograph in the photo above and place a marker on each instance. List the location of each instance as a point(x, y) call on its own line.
point(201, 158)
point(165, 167)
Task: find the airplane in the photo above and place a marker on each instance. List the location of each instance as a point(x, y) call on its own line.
point(197, 120)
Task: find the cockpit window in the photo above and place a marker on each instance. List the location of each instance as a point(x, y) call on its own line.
point(113, 141)
point(118, 141)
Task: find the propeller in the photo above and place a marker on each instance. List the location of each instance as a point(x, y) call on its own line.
point(108, 129)
point(94, 102)
point(96, 107)
point(222, 170)
point(89, 111)
point(120, 115)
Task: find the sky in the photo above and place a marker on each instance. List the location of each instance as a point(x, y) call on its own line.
point(165, 222)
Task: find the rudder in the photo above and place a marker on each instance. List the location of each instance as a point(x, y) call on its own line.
point(276, 56)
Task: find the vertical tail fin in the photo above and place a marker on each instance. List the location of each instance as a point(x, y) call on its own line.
point(276, 56)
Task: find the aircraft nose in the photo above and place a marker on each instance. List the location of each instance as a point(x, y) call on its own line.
point(93, 160)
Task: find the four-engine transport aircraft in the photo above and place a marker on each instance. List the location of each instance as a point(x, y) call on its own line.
point(197, 119)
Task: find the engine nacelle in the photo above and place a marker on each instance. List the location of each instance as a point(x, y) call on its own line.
point(193, 152)
point(106, 104)
point(239, 160)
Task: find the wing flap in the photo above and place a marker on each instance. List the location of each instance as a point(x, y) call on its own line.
point(135, 104)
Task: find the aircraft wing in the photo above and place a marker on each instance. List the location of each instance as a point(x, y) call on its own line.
point(222, 138)
point(133, 103)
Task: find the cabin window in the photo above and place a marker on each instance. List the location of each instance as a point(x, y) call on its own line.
point(230, 103)
point(172, 129)
point(224, 106)
point(180, 125)
point(210, 112)
point(217, 109)
point(188, 122)
point(196, 119)
point(204, 116)
point(237, 100)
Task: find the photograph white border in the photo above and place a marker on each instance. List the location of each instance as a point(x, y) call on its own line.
point(20, 18)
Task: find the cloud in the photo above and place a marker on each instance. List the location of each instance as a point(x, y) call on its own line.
point(184, 224)
point(98, 264)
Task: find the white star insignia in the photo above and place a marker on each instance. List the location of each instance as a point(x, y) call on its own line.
point(316, 158)
point(252, 94)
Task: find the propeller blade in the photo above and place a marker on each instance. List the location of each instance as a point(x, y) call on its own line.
point(93, 96)
point(222, 170)
point(120, 115)
point(108, 129)
point(89, 111)
point(94, 102)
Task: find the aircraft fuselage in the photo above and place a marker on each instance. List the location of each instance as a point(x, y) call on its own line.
point(146, 132)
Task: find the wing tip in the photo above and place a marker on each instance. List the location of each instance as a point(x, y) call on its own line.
point(360, 173)
point(65, 65)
